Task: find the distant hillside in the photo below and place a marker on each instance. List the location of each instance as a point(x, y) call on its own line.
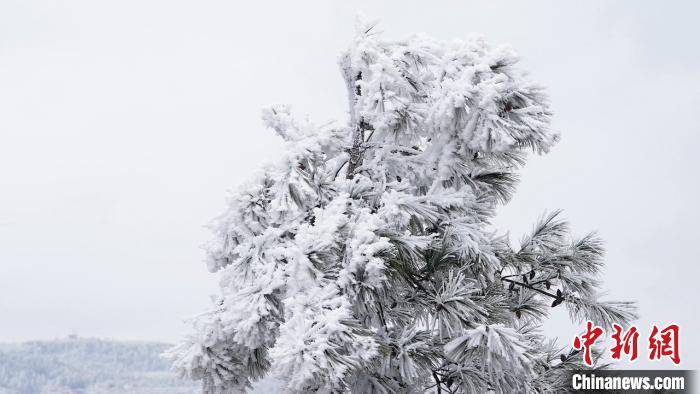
point(82, 366)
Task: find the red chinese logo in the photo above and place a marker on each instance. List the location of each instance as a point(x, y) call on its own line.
point(667, 346)
point(662, 342)
point(589, 337)
point(626, 344)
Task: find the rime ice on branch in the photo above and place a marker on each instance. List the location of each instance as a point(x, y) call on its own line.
point(364, 260)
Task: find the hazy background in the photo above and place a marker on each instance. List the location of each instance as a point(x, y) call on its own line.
point(123, 123)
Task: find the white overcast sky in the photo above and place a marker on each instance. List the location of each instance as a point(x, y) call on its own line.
point(123, 123)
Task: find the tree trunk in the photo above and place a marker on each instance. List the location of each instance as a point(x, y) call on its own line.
point(357, 149)
point(358, 138)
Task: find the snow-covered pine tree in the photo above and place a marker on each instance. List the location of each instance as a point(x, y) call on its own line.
point(364, 261)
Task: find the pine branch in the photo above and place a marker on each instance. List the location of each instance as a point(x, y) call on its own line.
point(437, 383)
point(548, 294)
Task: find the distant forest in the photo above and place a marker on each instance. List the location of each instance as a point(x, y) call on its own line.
point(77, 366)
